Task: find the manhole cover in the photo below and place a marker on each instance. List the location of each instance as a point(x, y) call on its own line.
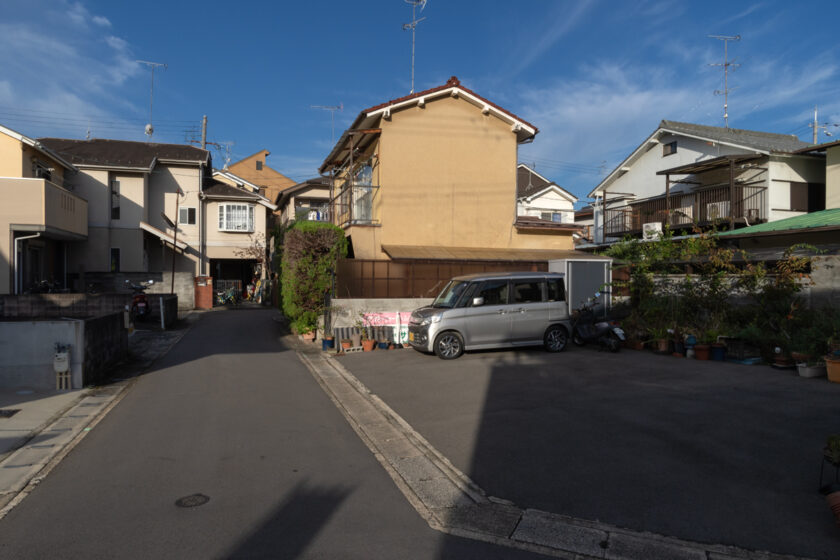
point(194, 500)
point(8, 412)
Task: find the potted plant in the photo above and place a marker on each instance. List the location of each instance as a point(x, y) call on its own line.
point(832, 367)
point(364, 332)
point(659, 336)
point(346, 343)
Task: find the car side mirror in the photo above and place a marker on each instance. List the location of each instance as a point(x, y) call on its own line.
point(477, 301)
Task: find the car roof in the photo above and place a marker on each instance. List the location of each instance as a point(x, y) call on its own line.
point(500, 275)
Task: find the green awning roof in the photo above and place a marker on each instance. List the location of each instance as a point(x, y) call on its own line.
point(814, 221)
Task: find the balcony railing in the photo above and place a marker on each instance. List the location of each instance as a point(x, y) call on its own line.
point(703, 207)
point(354, 205)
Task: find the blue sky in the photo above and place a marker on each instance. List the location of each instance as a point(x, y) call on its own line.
point(595, 77)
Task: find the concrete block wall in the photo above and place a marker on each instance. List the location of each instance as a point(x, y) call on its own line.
point(825, 275)
point(115, 282)
point(27, 349)
point(105, 344)
point(346, 311)
point(61, 305)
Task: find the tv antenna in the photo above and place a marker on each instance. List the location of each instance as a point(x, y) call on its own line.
point(149, 128)
point(726, 65)
point(412, 25)
point(332, 109)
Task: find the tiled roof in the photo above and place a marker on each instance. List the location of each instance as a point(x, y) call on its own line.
point(822, 220)
point(529, 182)
point(765, 141)
point(122, 153)
point(218, 188)
point(451, 82)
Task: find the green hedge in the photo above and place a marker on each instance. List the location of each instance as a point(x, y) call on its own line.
point(310, 253)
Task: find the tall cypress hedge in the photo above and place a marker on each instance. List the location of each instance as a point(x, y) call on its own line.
point(311, 250)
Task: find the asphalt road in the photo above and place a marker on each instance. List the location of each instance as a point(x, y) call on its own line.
point(229, 414)
point(705, 451)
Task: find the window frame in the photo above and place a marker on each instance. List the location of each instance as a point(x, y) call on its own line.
point(224, 217)
point(112, 266)
point(669, 149)
point(191, 215)
point(115, 199)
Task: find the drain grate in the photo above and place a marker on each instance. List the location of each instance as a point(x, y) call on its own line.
point(8, 412)
point(194, 500)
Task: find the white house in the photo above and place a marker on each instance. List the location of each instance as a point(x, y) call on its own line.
point(541, 198)
point(685, 174)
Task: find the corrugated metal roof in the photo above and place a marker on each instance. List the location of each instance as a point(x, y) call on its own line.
point(418, 252)
point(824, 219)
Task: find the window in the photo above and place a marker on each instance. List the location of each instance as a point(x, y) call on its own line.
point(669, 148)
point(41, 171)
point(552, 216)
point(115, 200)
point(799, 197)
point(236, 217)
point(556, 290)
point(259, 165)
point(186, 216)
point(527, 291)
point(115, 259)
point(494, 292)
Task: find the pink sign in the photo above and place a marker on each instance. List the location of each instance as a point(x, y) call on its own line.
point(386, 319)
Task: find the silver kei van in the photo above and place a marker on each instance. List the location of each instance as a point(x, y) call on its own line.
point(505, 309)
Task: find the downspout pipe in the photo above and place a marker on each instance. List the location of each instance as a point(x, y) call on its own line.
point(17, 261)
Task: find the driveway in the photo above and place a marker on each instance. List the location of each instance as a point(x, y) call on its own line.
point(706, 451)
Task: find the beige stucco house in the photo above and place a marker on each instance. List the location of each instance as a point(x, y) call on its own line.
point(138, 191)
point(309, 200)
point(432, 176)
point(43, 222)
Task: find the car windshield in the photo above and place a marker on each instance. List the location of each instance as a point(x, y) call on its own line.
point(450, 294)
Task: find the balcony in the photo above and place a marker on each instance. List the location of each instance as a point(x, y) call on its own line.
point(703, 207)
point(354, 205)
point(40, 205)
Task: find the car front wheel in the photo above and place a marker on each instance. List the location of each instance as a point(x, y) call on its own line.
point(556, 338)
point(449, 345)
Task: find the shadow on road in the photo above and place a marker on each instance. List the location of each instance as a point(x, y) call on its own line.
point(294, 524)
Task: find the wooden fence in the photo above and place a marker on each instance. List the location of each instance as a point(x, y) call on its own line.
point(359, 278)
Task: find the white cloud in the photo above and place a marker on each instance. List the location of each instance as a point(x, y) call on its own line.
point(101, 21)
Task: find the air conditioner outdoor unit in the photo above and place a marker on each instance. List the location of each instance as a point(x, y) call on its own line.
point(651, 231)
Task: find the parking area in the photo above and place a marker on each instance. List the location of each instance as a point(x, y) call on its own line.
point(707, 451)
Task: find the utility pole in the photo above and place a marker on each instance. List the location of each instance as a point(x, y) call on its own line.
point(817, 127)
point(204, 133)
point(726, 65)
point(332, 109)
point(149, 128)
point(412, 25)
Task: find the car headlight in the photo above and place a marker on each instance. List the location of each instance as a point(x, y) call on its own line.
point(430, 319)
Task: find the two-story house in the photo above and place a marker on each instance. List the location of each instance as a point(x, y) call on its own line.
point(684, 175)
point(542, 198)
point(42, 220)
point(138, 194)
point(425, 186)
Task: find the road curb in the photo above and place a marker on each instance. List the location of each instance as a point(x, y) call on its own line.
point(450, 502)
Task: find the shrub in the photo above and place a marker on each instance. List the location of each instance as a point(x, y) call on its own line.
point(311, 250)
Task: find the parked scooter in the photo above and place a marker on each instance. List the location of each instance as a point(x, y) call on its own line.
point(586, 328)
point(140, 309)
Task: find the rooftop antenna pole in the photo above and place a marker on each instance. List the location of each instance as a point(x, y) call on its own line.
point(413, 27)
point(726, 64)
point(149, 128)
point(332, 109)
